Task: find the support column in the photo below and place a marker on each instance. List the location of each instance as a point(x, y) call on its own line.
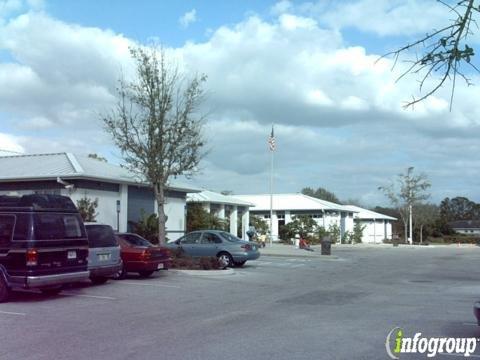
point(288, 217)
point(233, 221)
point(274, 226)
point(245, 221)
point(221, 212)
point(123, 208)
point(206, 206)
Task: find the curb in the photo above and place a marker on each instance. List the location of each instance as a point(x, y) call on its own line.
point(203, 272)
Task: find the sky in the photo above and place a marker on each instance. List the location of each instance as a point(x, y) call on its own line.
point(310, 68)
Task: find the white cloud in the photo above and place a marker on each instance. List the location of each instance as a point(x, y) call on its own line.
point(10, 144)
point(338, 112)
point(188, 18)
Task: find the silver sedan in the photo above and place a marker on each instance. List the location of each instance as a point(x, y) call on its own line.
point(229, 249)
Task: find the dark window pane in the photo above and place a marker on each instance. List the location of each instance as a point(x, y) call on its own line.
point(22, 227)
point(191, 238)
point(100, 236)
point(137, 240)
point(6, 228)
point(57, 226)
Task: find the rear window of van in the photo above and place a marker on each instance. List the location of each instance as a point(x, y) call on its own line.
point(7, 223)
point(100, 236)
point(50, 226)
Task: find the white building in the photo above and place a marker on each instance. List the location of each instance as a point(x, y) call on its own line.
point(121, 197)
point(377, 226)
point(224, 207)
point(286, 206)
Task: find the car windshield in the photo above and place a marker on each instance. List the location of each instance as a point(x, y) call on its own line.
point(136, 240)
point(230, 237)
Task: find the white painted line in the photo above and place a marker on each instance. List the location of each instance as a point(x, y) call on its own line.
point(143, 284)
point(12, 313)
point(88, 296)
point(472, 324)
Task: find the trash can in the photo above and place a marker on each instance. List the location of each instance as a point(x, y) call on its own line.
point(395, 240)
point(326, 246)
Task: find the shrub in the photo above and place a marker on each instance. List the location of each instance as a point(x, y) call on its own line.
point(87, 208)
point(147, 227)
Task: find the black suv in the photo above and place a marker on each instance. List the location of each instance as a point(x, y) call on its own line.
point(43, 243)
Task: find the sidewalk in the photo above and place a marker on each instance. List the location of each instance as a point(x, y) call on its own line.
point(292, 251)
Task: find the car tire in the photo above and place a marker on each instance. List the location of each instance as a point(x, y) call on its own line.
point(225, 259)
point(4, 290)
point(98, 280)
point(145, 274)
point(122, 274)
point(51, 291)
point(240, 263)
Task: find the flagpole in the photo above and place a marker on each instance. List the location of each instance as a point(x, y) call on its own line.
point(271, 196)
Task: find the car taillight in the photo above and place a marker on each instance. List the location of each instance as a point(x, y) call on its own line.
point(246, 247)
point(146, 255)
point(32, 257)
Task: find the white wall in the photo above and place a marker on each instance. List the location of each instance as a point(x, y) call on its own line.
point(175, 210)
point(107, 205)
point(376, 232)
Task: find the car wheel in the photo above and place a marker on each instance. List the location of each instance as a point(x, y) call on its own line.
point(4, 290)
point(98, 280)
point(225, 259)
point(240, 263)
point(122, 274)
point(145, 274)
point(51, 291)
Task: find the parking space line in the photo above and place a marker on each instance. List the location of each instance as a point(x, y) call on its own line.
point(471, 324)
point(88, 296)
point(12, 313)
point(154, 285)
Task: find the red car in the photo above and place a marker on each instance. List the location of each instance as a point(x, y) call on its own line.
point(141, 256)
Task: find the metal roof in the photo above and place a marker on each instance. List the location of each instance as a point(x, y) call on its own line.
point(296, 201)
point(368, 214)
point(465, 224)
point(207, 196)
point(69, 166)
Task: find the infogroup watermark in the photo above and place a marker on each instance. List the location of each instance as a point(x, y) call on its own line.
point(397, 343)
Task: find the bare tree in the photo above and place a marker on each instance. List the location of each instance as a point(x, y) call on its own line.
point(408, 190)
point(425, 214)
point(156, 124)
point(443, 54)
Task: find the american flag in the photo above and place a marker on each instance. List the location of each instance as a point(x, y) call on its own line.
point(271, 141)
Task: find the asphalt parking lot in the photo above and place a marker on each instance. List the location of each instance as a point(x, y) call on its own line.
point(273, 308)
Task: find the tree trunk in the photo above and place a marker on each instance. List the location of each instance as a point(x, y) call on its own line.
point(405, 224)
point(160, 197)
point(421, 234)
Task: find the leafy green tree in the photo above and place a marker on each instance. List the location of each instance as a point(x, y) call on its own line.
point(156, 123)
point(459, 208)
point(87, 208)
point(259, 224)
point(443, 54)
point(147, 227)
point(302, 225)
point(357, 234)
point(200, 219)
point(334, 232)
point(321, 193)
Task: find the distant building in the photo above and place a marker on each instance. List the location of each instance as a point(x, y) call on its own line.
point(377, 226)
point(225, 207)
point(325, 213)
point(468, 227)
point(286, 206)
point(121, 196)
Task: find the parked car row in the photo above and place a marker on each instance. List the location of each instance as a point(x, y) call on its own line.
point(44, 245)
